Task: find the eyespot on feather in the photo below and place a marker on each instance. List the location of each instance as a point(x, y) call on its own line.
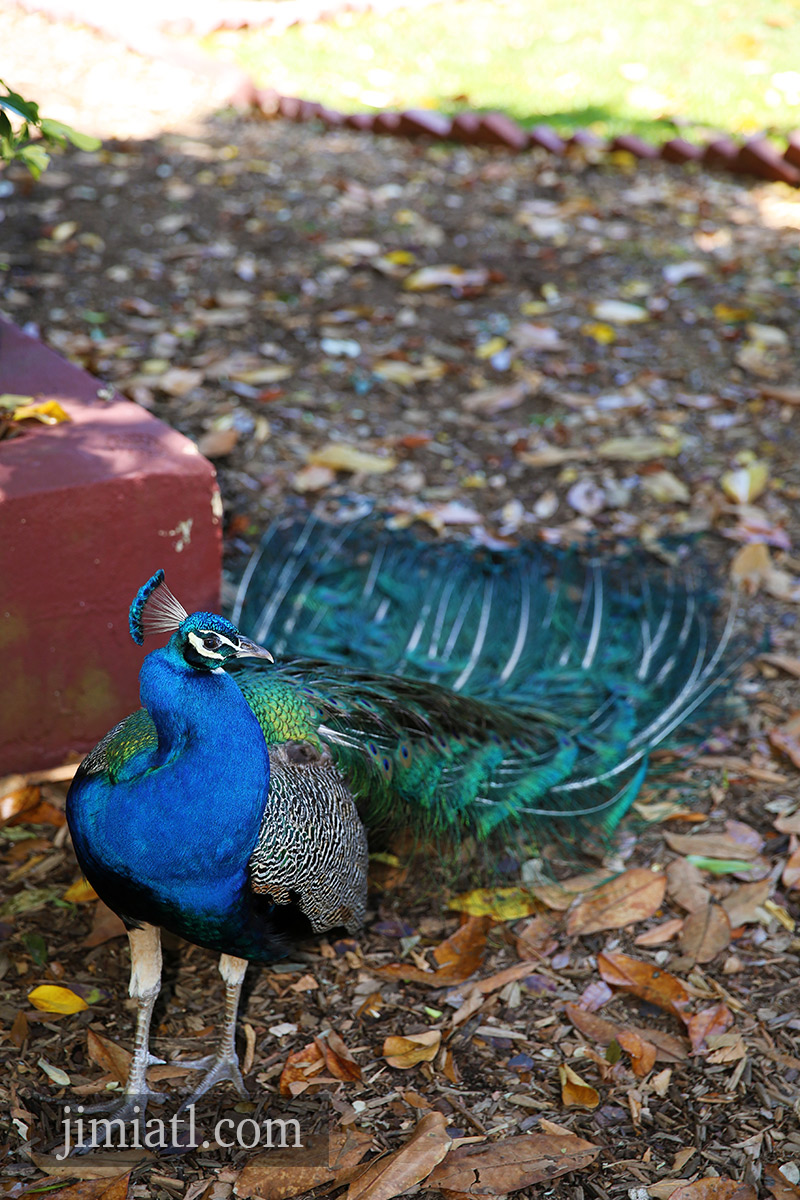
point(381, 760)
point(404, 754)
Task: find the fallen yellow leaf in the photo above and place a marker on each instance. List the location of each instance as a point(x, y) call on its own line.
point(503, 903)
point(600, 332)
point(745, 484)
point(49, 412)
point(49, 998)
point(80, 892)
point(340, 456)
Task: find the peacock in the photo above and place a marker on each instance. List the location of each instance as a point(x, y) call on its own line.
point(448, 688)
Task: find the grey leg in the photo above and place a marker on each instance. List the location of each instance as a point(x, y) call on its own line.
point(224, 1063)
point(145, 984)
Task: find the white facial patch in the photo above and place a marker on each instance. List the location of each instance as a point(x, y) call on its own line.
point(201, 648)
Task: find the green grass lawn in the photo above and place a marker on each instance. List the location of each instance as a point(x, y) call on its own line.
point(614, 65)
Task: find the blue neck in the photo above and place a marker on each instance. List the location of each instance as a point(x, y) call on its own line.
point(185, 705)
point(170, 841)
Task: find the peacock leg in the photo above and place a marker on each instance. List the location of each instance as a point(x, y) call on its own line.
point(224, 1063)
point(145, 984)
point(144, 987)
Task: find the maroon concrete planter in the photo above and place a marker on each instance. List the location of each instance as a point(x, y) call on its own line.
point(88, 511)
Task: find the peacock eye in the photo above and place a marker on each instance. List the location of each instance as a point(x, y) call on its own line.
point(211, 641)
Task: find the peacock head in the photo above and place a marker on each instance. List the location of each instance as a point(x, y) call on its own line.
point(204, 640)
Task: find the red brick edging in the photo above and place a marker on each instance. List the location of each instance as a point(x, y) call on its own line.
point(755, 157)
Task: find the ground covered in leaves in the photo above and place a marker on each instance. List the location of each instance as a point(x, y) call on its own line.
point(521, 349)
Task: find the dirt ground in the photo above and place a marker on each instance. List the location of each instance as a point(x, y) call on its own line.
point(514, 346)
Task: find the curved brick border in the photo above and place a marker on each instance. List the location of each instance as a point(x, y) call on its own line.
point(756, 156)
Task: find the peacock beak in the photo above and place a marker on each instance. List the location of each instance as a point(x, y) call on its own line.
point(248, 649)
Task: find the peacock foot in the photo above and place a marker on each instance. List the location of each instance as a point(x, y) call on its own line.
point(222, 1067)
point(122, 1122)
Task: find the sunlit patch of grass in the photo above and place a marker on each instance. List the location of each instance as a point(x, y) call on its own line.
point(639, 65)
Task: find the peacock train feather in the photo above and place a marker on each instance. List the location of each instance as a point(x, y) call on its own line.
point(463, 688)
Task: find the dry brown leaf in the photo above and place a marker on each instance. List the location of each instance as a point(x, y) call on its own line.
point(105, 925)
point(553, 456)
point(509, 975)
point(660, 934)
point(786, 739)
point(218, 443)
point(458, 957)
point(632, 896)
point(303, 1069)
point(602, 1031)
point(710, 845)
point(725, 1047)
point(560, 896)
point(103, 1176)
point(788, 824)
point(407, 1052)
point(536, 939)
point(110, 1057)
point(706, 933)
point(338, 1058)
point(645, 981)
point(511, 1164)
point(395, 1174)
point(753, 568)
point(576, 1091)
point(685, 885)
point(715, 1188)
point(21, 802)
point(666, 488)
point(278, 1175)
point(663, 1189)
point(784, 662)
point(642, 1053)
point(282, 1173)
point(178, 381)
point(14, 802)
point(707, 1023)
point(19, 1031)
point(489, 401)
point(427, 278)
point(750, 566)
point(774, 1179)
point(312, 478)
point(790, 877)
point(300, 1068)
point(742, 905)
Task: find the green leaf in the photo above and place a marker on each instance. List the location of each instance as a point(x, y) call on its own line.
point(35, 158)
point(36, 947)
point(60, 132)
point(23, 108)
point(6, 132)
point(719, 866)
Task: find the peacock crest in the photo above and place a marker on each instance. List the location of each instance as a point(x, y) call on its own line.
point(155, 610)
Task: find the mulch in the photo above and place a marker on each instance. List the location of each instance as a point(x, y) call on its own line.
point(517, 348)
